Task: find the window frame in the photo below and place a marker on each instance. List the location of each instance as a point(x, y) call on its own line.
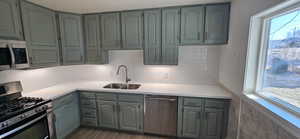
point(257, 53)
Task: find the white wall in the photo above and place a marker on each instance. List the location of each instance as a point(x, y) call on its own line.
point(197, 65)
point(233, 56)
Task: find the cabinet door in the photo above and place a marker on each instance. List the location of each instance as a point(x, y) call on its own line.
point(170, 35)
point(71, 38)
point(217, 22)
point(110, 31)
point(94, 52)
point(130, 116)
point(67, 117)
point(132, 30)
point(41, 35)
point(152, 33)
point(192, 25)
point(107, 115)
point(10, 25)
point(191, 122)
point(213, 123)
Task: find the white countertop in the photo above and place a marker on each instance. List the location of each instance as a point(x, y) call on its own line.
point(207, 91)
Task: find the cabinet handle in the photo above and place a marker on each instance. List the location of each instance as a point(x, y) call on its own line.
point(199, 115)
point(198, 35)
point(30, 59)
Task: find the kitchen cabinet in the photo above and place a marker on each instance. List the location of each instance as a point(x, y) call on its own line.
point(130, 116)
point(66, 110)
point(88, 109)
point(191, 122)
point(170, 35)
point(107, 114)
point(10, 23)
point(40, 31)
point(132, 29)
point(202, 118)
point(213, 120)
point(94, 52)
point(217, 23)
point(111, 31)
point(71, 38)
point(192, 25)
point(152, 33)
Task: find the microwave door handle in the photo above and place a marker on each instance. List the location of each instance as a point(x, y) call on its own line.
point(12, 55)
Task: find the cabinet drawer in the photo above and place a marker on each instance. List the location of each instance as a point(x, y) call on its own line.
point(210, 103)
point(89, 121)
point(88, 103)
point(87, 95)
point(88, 113)
point(196, 102)
point(65, 100)
point(131, 98)
point(106, 96)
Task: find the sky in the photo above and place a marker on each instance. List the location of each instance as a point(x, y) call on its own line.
point(280, 26)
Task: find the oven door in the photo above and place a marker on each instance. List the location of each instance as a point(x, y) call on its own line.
point(34, 129)
point(6, 57)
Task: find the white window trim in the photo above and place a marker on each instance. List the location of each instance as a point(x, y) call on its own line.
point(256, 54)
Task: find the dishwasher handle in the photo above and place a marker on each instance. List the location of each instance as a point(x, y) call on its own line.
point(162, 99)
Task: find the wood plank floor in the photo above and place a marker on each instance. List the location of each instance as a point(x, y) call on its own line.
point(89, 133)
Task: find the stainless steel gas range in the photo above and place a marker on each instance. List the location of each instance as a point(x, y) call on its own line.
point(24, 117)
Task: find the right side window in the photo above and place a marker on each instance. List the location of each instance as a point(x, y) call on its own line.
point(280, 77)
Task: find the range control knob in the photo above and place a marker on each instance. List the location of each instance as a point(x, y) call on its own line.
point(4, 124)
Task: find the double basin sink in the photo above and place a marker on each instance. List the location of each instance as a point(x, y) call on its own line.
point(122, 86)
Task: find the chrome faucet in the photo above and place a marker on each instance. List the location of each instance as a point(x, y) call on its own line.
point(126, 72)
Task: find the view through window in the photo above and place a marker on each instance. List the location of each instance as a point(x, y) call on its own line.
point(282, 69)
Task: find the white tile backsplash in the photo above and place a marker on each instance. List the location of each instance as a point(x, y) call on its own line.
point(197, 65)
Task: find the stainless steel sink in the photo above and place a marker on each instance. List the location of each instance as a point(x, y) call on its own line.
point(122, 86)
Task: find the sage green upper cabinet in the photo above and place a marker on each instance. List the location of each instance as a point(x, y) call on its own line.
point(71, 38)
point(213, 123)
point(10, 23)
point(110, 31)
point(130, 116)
point(170, 35)
point(152, 33)
point(217, 23)
point(132, 30)
point(40, 30)
point(107, 114)
point(192, 25)
point(94, 52)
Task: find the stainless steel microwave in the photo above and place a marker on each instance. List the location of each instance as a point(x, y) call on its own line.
point(13, 55)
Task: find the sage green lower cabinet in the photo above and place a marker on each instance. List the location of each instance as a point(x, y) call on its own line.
point(213, 123)
point(40, 29)
point(202, 118)
point(191, 122)
point(10, 23)
point(88, 109)
point(130, 116)
point(107, 114)
point(67, 119)
point(71, 38)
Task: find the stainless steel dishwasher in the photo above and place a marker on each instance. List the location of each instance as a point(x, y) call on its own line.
point(160, 115)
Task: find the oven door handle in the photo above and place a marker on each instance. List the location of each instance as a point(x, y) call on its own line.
point(22, 127)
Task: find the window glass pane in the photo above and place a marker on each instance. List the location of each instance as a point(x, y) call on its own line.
point(282, 70)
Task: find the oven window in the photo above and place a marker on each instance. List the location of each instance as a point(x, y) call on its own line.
point(38, 130)
point(20, 55)
point(5, 58)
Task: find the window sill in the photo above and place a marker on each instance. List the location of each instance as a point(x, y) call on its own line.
point(280, 114)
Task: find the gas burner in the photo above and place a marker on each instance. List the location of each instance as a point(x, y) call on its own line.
point(19, 105)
